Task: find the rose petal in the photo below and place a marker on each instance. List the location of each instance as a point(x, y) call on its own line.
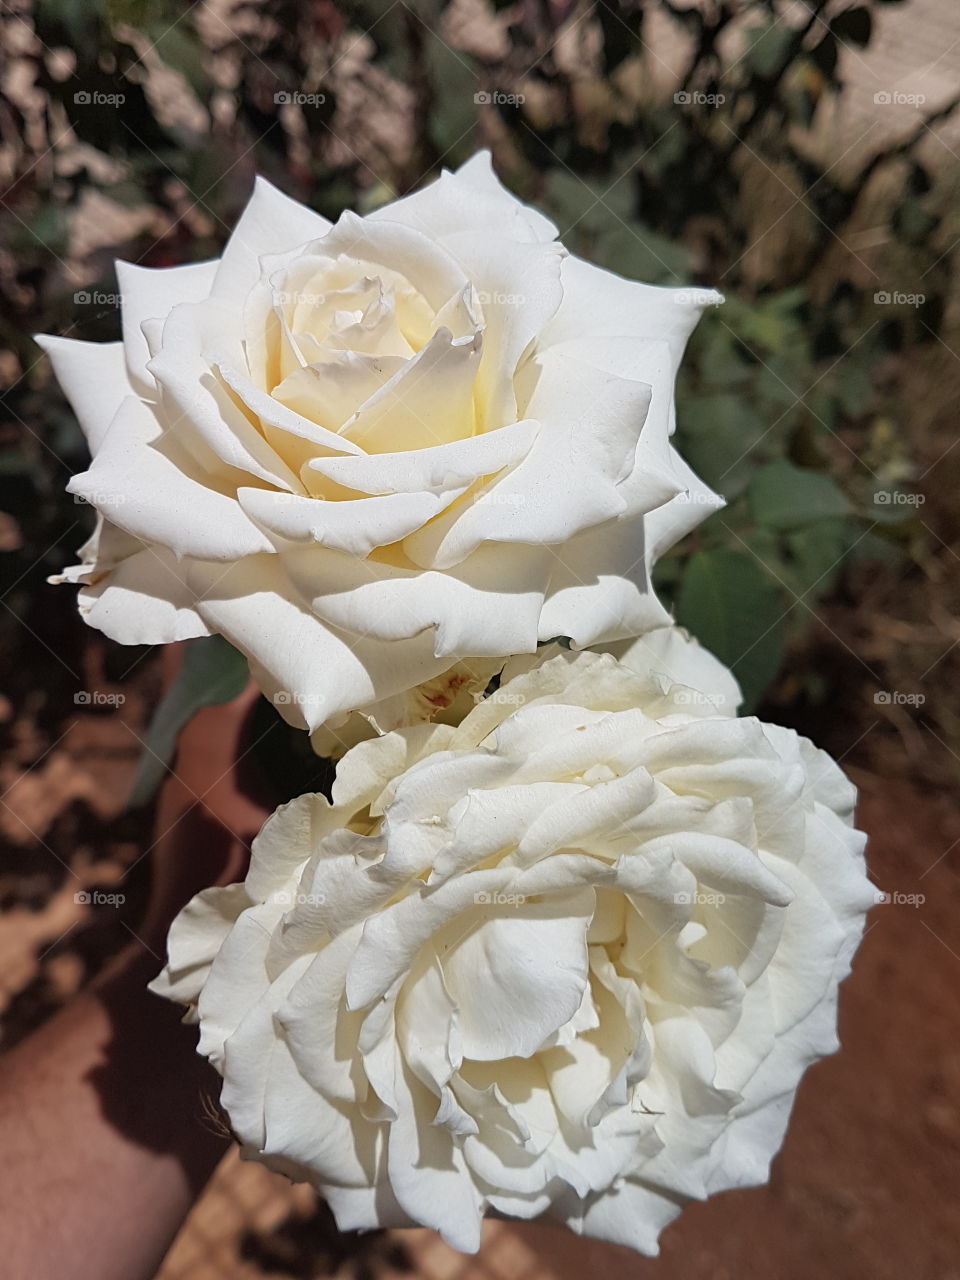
point(416, 257)
point(427, 1172)
point(676, 656)
point(195, 938)
point(472, 610)
point(602, 304)
point(518, 974)
point(140, 488)
point(429, 401)
point(354, 528)
point(518, 286)
point(151, 293)
point(93, 377)
point(270, 223)
point(329, 393)
point(590, 424)
point(471, 197)
point(291, 651)
point(440, 467)
point(600, 587)
point(145, 599)
point(197, 406)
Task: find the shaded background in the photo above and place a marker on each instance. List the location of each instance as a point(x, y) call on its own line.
point(804, 158)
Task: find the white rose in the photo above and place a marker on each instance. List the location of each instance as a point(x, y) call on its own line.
point(668, 652)
point(364, 451)
point(443, 699)
point(572, 956)
point(679, 659)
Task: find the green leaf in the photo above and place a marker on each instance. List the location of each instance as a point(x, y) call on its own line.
point(783, 496)
point(736, 611)
point(854, 384)
point(47, 228)
point(718, 436)
point(816, 554)
point(768, 46)
point(454, 107)
point(142, 13)
point(801, 104)
point(600, 205)
point(179, 47)
point(213, 672)
point(912, 223)
point(635, 251)
point(716, 354)
point(774, 324)
point(599, 216)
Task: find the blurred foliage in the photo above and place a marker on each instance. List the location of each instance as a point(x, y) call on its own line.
point(136, 126)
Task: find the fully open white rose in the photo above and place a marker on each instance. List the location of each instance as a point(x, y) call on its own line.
point(572, 956)
point(363, 451)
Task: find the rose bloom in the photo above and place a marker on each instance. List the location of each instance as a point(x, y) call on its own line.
point(669, 653)
point(364, 451)
point(572, 956)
